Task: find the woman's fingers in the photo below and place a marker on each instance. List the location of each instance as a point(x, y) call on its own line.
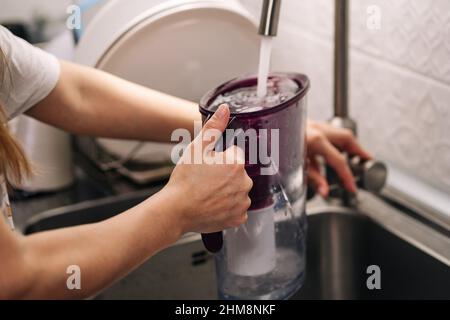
point(339, 163)
point(320, 145)
point(316, 178)
point(328, 141)
point(344, 139)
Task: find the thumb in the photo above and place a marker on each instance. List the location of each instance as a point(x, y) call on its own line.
point(215, 126)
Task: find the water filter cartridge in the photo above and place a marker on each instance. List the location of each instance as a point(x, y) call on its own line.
point(251, 246)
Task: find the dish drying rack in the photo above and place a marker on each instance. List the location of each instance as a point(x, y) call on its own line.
point(137, 171)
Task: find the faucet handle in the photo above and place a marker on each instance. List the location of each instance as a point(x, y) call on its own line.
point(371, 175)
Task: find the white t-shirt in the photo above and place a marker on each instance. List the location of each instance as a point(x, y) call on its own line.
point(31, 75)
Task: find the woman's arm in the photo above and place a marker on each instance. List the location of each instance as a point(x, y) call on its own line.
point(92, 102)
point(35, 266)
point(204, 197)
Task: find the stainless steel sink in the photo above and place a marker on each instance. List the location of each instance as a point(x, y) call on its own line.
point(413, 257)
point(342, 244)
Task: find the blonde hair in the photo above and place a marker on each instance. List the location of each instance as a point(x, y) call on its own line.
point(13, 162)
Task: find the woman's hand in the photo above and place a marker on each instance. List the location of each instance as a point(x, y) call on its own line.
point(211, 195)
point(329, 142)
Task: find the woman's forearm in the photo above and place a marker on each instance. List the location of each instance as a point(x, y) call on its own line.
point(104, 251)
point(36, 266)
point(92, 102)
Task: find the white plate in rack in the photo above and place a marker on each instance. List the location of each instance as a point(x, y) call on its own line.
point(180, 47)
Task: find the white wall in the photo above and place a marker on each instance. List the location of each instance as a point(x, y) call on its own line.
point(400, 75)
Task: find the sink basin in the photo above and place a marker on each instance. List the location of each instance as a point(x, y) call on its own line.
point(342, 244)
point(414, 259)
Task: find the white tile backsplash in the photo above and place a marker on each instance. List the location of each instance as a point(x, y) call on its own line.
point(414, 34)
point(400, 75)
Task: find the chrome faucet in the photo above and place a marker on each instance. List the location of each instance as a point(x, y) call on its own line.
point(270, 15)
point(341, 118)
point(370, 175)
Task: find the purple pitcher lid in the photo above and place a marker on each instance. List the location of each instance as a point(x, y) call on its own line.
point(249, 81)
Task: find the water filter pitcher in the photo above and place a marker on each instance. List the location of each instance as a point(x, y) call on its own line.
point(265, 257)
